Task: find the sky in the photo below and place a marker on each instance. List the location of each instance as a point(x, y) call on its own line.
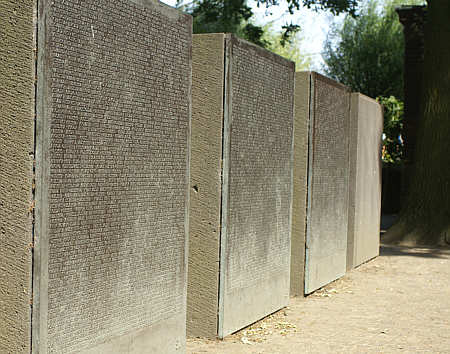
point(314, 26)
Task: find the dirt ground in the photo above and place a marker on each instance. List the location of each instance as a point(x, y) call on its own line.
point(398, 302)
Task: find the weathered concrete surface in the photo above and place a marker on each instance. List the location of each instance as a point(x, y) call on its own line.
point(366, 126)
point(16, 178)
point(113, 121)
point(206, 184)
point(257, 185)
point(152, 339)
point(327, 215)
point(241, 181)
point(301, 125)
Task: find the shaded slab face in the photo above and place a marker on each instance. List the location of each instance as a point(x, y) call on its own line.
point(113, 130)
point(366, 125)
point(16, 179)
point(326, 238)
point(257, 185)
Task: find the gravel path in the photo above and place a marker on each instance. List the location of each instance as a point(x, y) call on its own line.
point(399, 302)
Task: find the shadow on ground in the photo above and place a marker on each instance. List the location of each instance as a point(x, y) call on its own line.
point(426, 252)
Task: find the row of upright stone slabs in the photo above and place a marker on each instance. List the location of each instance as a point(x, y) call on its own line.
point(241, 180)
point(109, 270)
point(320, 243)
point(366, 126)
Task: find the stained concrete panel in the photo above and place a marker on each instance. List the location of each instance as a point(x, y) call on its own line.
point(113, 120)
point(256, 215)
point(16, 173)
point(246, 266)
point(366, 126)
point(328, 183)
point(301, 125)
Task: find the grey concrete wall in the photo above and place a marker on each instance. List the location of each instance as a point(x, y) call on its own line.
point(257, 185)
point(301, 125)
point(113, 120)
point(16, 167)
point(206, 184)
point(366, 126)
point(328, 183)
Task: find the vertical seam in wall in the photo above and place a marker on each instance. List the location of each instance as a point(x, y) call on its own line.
point(349, 163)
point(291, 204)
point(224, 179)
point(221, 182)
point(351, 214)
point(188, 183)
point(353, 182)
point(380, 165)
point(42, 125)
point(33, 186)
point(310, 130)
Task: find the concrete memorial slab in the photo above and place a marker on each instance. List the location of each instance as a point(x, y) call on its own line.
point(328, 180)
point(111, 198)
point(366, 127)
point(241, 180)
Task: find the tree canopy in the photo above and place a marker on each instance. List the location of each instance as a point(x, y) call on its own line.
point(288, 48)
point(335, 6)
point(230, 16)
point(366, 52)
point(234, 16)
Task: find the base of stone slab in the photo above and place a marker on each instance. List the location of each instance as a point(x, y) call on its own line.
point(165, 337)
point(243, 308)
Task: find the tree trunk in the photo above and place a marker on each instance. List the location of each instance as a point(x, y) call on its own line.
point(425, 218)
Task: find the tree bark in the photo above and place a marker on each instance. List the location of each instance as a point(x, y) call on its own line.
point(425, 218)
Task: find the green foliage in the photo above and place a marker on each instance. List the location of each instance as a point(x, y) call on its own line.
point(366, 53)
point(225, 16)
point(234, 16)
point(393, 126)
point(287, 48)
point(334, 6)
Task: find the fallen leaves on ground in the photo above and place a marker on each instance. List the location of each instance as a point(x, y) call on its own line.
point(273, 324)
